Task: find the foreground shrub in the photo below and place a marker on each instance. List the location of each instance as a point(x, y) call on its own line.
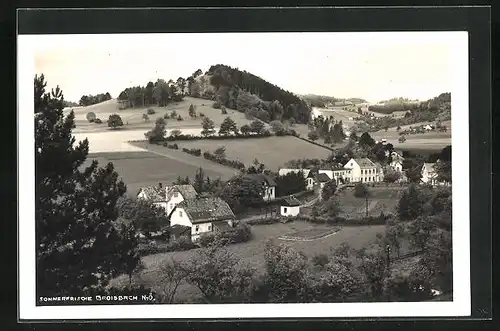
point(181, 244)
point(238, 234)
point(320, 260)
point(91, 117)
point(192, 151)
point(98, 121)
point(150, 111)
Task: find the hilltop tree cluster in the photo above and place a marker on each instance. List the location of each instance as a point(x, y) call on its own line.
point(87, 100)
point(159, 93)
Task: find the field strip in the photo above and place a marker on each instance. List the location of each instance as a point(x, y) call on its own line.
point(301, 239)
point(208, 165)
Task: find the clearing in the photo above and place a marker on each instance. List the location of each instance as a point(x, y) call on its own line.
point(274, 152)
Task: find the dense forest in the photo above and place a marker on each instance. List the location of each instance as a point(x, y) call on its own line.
point(87, 100)
point(244, 91)
point(70, 104)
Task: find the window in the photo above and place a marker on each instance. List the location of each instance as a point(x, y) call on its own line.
point(197, 228)
point(180, 213)
point(176, 194)
point(210, 228)
point(284, 210)
point(171, 206)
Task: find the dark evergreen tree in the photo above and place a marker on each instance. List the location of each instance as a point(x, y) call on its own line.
point(78, 246)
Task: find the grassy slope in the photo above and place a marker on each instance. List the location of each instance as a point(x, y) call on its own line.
point(133, 116)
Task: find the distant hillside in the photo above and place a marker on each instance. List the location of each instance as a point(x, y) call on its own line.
point(87, 100)
point(319, 101)
point(404, 104)
point(67, 103)
point(225, 86)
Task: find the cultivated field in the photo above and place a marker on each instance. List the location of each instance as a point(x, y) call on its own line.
point(252, 252)
point(274, 152)
point(132, 117)
point(430, 141)
point(138, 169)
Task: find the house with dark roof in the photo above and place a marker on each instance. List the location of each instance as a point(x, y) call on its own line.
point(155, 194)
point(364, 170)
point(290, 206)
point(201, 214)
point(178, 193)
point(267, 182)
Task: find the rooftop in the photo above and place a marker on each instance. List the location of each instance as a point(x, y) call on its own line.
point(187, 191)
point(153, 193)
point(291, 202)
point(262, 178)
point(201, 210)
point(365, 163)
point(322, 178)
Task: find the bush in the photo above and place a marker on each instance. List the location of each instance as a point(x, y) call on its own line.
point(179, 118)
point(223, 110)
point(98, 121)
point(115, 121)
point(201, 114)
point(91, 117)
point(360, 190)
point(150, 111)
point(173, 114)
point(231, 163)
point(181, 244)
point(166, 116)
point(320, 260)
point(216, 105)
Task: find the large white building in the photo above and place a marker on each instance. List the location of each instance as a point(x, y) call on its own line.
point(365, 171)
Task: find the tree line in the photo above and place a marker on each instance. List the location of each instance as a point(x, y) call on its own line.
point(159, 93)
point(442, 101)
point(87, 100)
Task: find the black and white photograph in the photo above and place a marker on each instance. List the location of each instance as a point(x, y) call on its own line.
point(181, 175)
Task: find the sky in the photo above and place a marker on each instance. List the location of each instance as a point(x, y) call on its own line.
point(372, 66)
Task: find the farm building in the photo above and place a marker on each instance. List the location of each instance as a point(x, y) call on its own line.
point(267, 182)
point(290, 207)
point(308, 175)
point(178, 193)
point(176, 231)
point(202, 215)
point(364, 170)
point(155, 194)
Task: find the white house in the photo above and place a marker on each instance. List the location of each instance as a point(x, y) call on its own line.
point(429, 175)
point(290, 207)
point(428, 127)
point(307, 175)
point(267, 182)
point(202, 215)
point(178, 193)
point(341, 175)
point(364, 170)
point(155, 194)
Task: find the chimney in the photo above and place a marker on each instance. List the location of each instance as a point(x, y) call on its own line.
point(160, 185)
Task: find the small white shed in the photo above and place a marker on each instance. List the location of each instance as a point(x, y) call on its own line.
point(290, 207)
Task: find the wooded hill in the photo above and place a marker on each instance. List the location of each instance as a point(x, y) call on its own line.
point(226, 86)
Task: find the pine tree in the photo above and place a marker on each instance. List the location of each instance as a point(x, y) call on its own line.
point(77, 243)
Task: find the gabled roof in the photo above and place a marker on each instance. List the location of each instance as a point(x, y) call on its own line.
point(364, 163)
point(178, 229)
point(262, 179)
point(428, 166)
point(187, 191)
point(202, 210)
point(322, 178)
point(154, 193)
point(291, 202)
point(284, 171)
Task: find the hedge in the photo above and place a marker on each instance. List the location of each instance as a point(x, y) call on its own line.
point(192, 151)
point(231, 163)
point(371, 220)
point(238, 234)
point(181, 244)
